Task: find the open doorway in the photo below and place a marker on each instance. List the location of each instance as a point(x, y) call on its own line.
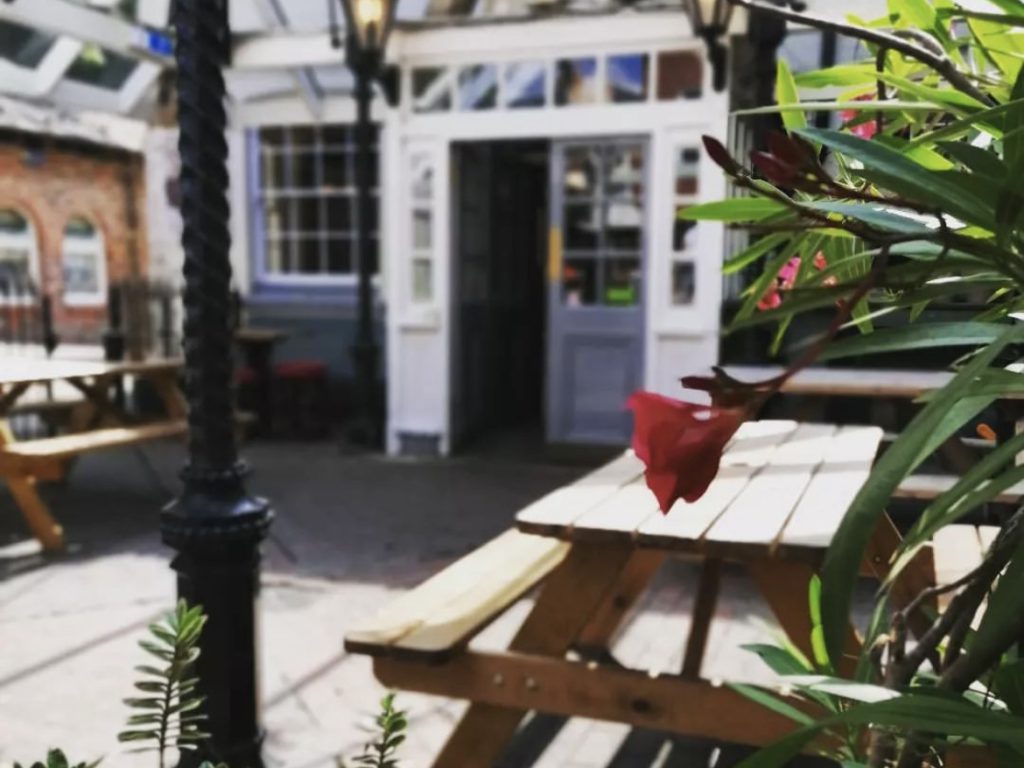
point(499, 304)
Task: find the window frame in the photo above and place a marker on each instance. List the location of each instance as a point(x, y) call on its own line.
point(95, 246)
point(258, 195)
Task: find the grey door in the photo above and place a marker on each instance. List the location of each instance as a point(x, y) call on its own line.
point(596, 288)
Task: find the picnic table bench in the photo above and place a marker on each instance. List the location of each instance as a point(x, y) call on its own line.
point(593, 547)
point(98, 423)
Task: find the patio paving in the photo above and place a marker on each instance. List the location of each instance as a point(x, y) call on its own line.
point(351, 532)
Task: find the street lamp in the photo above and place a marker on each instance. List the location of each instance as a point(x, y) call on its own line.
point(215, 526)
point(710, 20)
point(368, 24)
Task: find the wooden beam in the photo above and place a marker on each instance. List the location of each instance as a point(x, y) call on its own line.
point(591, 690)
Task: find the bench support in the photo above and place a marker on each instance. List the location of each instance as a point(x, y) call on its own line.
point(585, 583)
point(46, 530)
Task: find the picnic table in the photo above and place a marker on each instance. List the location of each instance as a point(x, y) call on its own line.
point(594, 547)
point(848, 382)
point(257, 347)
point(98, 422)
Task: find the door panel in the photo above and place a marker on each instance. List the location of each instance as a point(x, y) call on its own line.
point(596, 288)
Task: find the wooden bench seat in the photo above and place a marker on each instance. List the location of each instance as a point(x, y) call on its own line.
point(437, 618)
point(44, 458)
point(929, 487)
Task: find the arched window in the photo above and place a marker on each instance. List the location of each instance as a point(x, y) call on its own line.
point(19, 254)
point(84, 262)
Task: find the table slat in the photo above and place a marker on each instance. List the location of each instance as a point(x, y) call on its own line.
point(751, 449)
point(846, 466)
point(762, 509)
point(555, 513)
point(625, 510)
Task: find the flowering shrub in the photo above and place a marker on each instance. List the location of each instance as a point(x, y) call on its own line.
point(918, 197)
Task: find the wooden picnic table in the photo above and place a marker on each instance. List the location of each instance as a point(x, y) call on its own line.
point(595, 546)
point(98, 423)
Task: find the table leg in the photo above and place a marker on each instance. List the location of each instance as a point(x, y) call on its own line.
point(703, 612)
point(170, 394)
point(258, 357)
point(573, 604)
point(46, 530)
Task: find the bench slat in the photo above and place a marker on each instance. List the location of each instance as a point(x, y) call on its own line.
point(928, 487)
point(66, 446)
point(446, 610)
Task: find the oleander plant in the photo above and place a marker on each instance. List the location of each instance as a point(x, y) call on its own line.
point(914, 197)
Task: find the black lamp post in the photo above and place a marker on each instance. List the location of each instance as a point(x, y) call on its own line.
point(710, 20)
point(215, 525)
point(368, 24)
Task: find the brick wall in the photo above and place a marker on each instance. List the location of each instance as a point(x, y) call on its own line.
point(49, 183)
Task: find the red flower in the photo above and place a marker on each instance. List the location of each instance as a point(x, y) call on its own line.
point(681, 444)
point(865, 129)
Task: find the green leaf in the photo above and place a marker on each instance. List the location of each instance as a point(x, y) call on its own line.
point(1008, 683)
point(1001, 618)
point(773, 703)
point(786, 94)
point(918, 336)
point(905, 176)
point(754, 252)
point(885, 218)
point(842, 561)
point(844, 74)
point(735, 210)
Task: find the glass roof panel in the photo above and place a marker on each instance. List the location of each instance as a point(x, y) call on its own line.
point(101, 68)
point(23, 46)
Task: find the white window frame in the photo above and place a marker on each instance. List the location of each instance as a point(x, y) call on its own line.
point(262, 275)
point(95, 247)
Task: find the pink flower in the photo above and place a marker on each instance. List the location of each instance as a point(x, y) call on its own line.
point(867, 129)
point(681, 444)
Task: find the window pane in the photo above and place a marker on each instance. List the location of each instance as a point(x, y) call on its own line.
point(478, 87)
point(625, 179)
point(421, 230)
point(576, 81)
point(304, 136)
point(101, 68)
point(336, 170)
point(624, 226)
point(582, 169)
point(684, 232)
point(12, 222)
point(272, 167)
point(304, 170)
point(622, 279)
point(579, 282)
point(684, 283)
point(277, 216)
point(422, 280)
point(627, 77)
point(308, 214)
point(680, 75)
point(581, 227)
point(687, 171)
point(339, 214)
point(81, 273)
point(431, 89)
point(526, 84)
point(276, 250)
point(339, 256)
point(308, 251)
point(422, 178)
point(272, 138)
point(338, 135)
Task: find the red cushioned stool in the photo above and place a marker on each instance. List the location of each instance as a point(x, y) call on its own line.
point(301, 400)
